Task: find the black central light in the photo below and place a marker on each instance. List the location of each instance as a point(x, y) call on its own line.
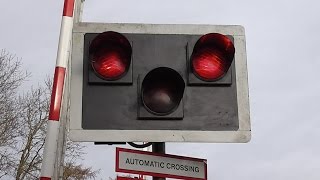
point(162, 90)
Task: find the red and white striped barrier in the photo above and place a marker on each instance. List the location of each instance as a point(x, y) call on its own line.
point(50, 149)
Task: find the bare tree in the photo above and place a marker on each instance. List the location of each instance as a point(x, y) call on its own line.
point(11, 77)
point(33, 113)
point(23, 127)
point(72, 170)
point(78, 172)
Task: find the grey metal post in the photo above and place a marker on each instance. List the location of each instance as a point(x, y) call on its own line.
point(78, 11)
point(159, 148)
point(62, 140)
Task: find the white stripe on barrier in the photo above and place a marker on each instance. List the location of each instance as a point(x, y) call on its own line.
point(64, 41)
point(49, 154)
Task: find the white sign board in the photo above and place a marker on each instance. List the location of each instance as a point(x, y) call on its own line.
point(160, 165)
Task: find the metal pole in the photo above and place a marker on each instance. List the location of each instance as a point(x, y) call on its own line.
point(53, 127)
point(78, 8)
point(159, 148)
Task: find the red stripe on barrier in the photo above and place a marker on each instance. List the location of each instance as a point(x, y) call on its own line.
point(56, 95)
point(45, 178)
point(68, 8)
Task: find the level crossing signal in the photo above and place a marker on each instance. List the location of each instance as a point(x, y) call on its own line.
point(159, 83)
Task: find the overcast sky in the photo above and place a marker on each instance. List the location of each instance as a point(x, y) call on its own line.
point(284, 69)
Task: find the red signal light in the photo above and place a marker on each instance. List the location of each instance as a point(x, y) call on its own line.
point(212, 56)
point(110, 55)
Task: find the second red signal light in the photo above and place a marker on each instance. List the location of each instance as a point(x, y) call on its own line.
point(212, 56)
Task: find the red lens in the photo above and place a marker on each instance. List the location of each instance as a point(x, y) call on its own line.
point(110, 55)
point(212, 56)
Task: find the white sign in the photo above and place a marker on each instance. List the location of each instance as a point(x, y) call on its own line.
point(160, 165)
